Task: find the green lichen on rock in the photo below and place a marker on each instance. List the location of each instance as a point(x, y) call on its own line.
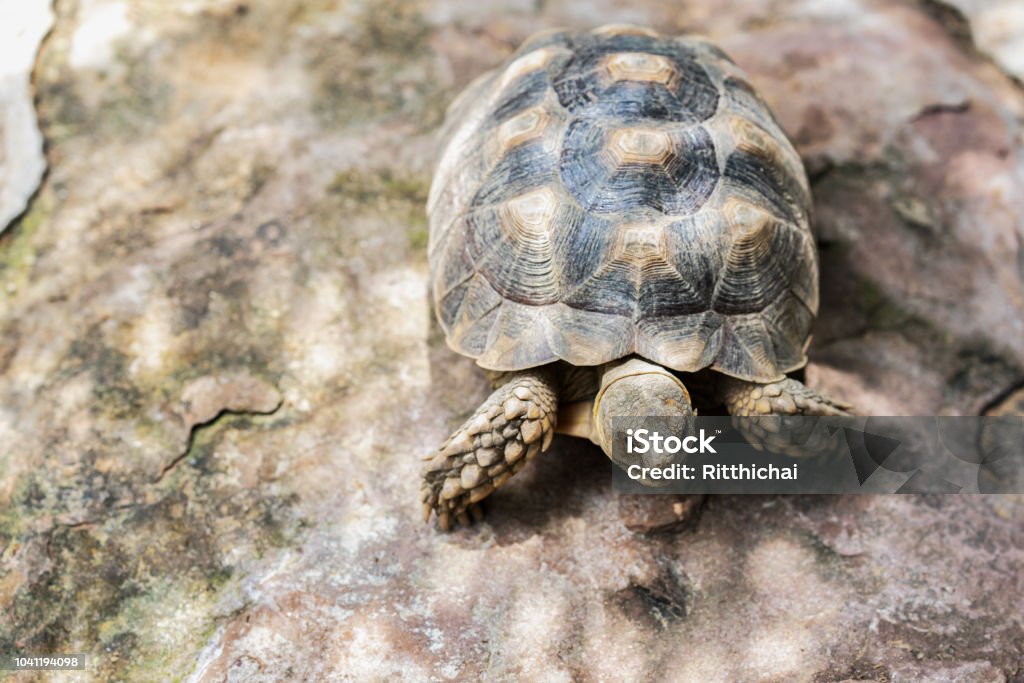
point(379, 68)
point(367, 190)
point(138, 585)
point(128, 97)
point(20, 244)
point(392, 194)
point(884, 313)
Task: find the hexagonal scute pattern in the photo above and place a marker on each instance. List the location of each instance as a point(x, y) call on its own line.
point(614, 192)
point(636, 170)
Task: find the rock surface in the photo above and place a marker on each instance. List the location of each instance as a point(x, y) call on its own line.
point(995, 26)
point(218, 368)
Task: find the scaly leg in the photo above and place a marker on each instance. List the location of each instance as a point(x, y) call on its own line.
point(784, 398)
point(514, 425)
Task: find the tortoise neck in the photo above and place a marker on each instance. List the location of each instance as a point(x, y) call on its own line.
point(636, 389)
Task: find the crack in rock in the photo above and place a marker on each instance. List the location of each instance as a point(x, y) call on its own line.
point(208, 399)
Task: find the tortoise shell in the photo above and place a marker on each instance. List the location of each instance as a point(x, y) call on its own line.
point(615, 192)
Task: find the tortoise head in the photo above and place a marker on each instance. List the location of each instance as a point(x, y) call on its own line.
point(633, 391)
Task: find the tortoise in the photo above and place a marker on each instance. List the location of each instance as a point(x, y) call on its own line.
point(614, 212)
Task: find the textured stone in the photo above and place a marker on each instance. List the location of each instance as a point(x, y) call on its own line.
point(646, 513)
point(206, 397)
point(234, 211)
point(996, 27)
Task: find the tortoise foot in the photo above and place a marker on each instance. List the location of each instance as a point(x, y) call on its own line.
point(513, 426)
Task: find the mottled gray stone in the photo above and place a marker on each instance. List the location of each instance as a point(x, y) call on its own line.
point(218, 369)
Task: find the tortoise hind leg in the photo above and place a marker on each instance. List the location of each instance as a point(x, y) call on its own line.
point(787, 397)
point(514, 425)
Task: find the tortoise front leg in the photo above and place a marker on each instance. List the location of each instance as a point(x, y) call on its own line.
point(787, 397)
point(514, 425)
